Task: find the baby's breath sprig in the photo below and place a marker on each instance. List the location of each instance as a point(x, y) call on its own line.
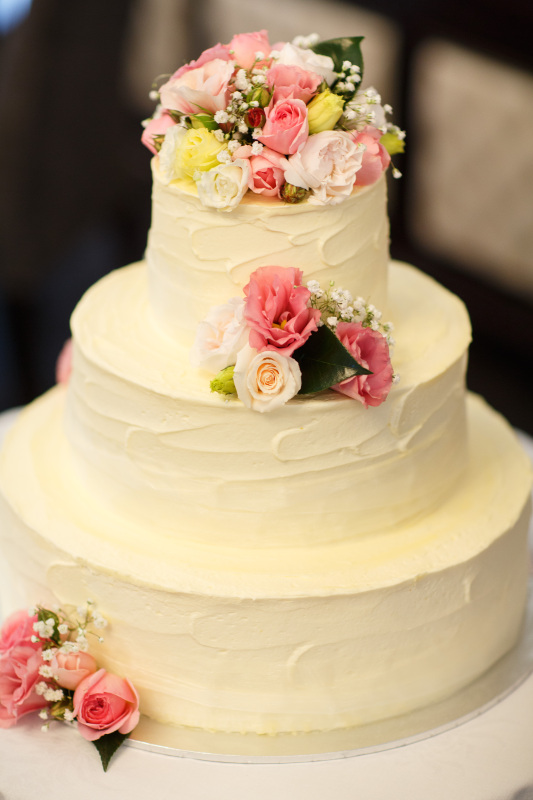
point(347, 80)
point(66, 633)
point(50, 626)
point(338, 305)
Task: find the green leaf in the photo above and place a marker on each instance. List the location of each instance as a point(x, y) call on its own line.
point(345, 48)
point(392, 143)
point(324, 362)
point(203, 121)
point(108, 745)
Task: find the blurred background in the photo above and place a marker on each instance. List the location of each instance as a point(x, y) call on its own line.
point(75, 181)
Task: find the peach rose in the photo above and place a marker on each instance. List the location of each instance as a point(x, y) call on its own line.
point(276, 310)
point(218, 51)
point(104, 703)
point(69, 669)
point(370, 349)
point(265, 381)
point(375, 158)
point(19, 674)
point(204, 89)
point(286, 128)
point(244, 46)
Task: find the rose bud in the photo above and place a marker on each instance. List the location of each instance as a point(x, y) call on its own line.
point(69, 669)
point(260, 95)
point(255, 118)
point(223, 382)
point(293, 194)
point(324, 111)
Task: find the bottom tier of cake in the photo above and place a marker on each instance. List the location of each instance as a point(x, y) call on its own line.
point(285, 639)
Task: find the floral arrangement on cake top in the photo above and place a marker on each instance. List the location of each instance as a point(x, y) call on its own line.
point(286, 121)
point(284, 339)
point(45, 667)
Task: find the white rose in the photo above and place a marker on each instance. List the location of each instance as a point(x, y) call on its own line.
point(265, 380)
point(224, 186)
point(327, 164)
point(308, 60)
point(167, 154)
point(220, 336)
point(365, 109)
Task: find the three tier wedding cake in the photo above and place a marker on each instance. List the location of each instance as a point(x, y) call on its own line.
point(290, 512)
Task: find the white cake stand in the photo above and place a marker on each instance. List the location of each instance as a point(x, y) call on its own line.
point(475, 746)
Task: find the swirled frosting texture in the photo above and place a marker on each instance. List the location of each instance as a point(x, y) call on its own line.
point(151, 439)
point(199, 257)
point(278, 639)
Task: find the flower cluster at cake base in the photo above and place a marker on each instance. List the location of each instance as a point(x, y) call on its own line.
point(282, 339)
point(45, 668)
point(287, 120)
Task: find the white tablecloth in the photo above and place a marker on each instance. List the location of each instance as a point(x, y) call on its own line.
point(488, 757)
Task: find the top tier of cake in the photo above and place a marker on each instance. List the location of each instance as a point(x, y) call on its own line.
point(199, 257)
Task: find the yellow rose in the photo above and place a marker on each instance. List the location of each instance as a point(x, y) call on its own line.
point(197, 150)
point(324, 111)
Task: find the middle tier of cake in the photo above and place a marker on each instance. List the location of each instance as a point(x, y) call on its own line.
point(152, 442)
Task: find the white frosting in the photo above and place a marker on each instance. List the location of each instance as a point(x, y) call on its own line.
point(151, 438)
point(320, 566)
point(200, 257)
point(284, 638)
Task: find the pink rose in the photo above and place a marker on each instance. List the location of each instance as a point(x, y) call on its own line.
point(288, 80)
point(267, 173)
point(219, 51)
point(276, 310)
point(375, 158)
point(156, 127)
point(370, 349)
point(246, 45)
point(64, 363)
point(201, 90)
point(104, 703)
point(19, 673)
point(17, 629)
point(69, 669)
point(286, 129)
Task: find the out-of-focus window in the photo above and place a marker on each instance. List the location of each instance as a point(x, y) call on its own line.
point(12, 12)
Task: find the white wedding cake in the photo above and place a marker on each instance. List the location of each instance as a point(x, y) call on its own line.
point(335, 561)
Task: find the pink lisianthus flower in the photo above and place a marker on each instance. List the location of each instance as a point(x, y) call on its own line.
point(19, 674)
point(375, 158)
point(370, 349)
point(64, 363)
point(157, 126)
point(288, 80)
point(244, 46)
point(104, 703)
point(69, 669)
point(276, 310)
point(286, 128)
point(17, 630)
point(204, 89)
